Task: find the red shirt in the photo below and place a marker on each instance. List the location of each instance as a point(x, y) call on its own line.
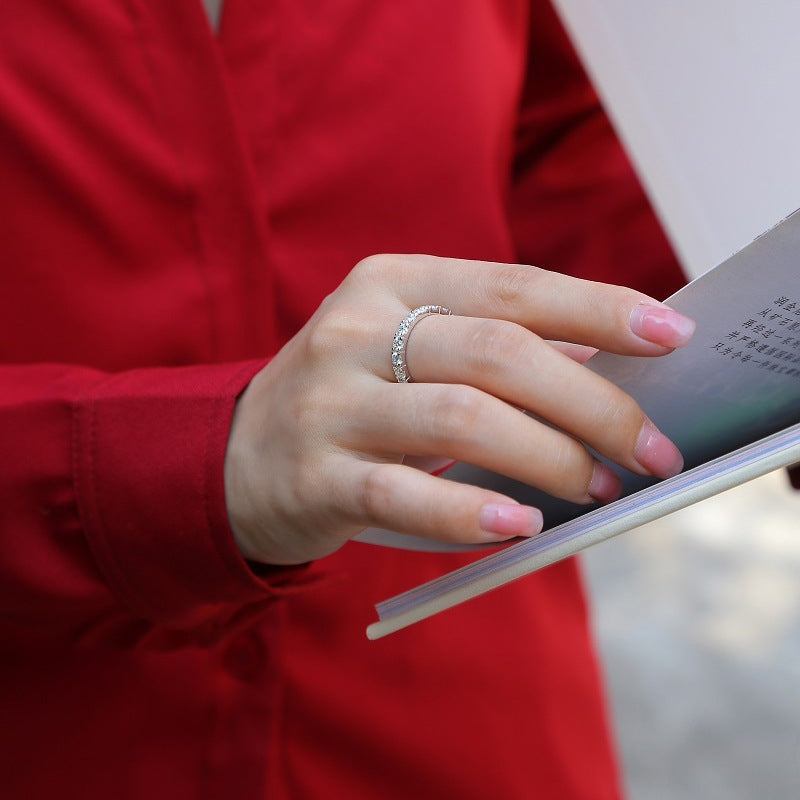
point(173, 206)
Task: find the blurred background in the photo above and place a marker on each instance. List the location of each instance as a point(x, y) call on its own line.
point(698, 614)
point(698, 622)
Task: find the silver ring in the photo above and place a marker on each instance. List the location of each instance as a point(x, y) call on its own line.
point(400, 341)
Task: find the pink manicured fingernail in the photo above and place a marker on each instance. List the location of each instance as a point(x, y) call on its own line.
point(605, 485)
point(657, 454)
point(661, 325)
point(502, 521)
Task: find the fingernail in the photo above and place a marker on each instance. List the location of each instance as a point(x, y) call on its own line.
point(657, 454)
point(502, 521)
point(661, 325)
point(605, 485)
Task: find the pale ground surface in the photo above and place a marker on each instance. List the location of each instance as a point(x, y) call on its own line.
point(698, 621)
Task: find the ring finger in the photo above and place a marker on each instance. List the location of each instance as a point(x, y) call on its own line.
point(467, 424)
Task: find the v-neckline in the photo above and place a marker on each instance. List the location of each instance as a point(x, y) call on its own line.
point(214, 13)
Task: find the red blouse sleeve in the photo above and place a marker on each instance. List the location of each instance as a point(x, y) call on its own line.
point(113, 508)
point(576, 203)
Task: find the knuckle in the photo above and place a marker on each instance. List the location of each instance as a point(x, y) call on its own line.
point(456, 413)
point(318, 342)
point(571, 469)
point(378, 268)
point(512, 283)
point(374, 494)
point(609, 307)
point(618, 411)
point(326, 331)
point(370, 266)
point(622, 300)
point(492, 344)
point(618, 418)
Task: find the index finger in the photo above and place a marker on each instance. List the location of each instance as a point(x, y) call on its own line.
point(555, 306)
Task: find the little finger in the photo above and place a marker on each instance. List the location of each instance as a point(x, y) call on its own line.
point(403, 499)
point(466, 424)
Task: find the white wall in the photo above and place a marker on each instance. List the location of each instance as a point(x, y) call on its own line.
point(706, 95)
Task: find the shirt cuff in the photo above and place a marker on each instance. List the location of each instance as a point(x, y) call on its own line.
point(148, 459)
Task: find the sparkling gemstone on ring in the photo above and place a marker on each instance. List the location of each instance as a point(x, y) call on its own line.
point(400, 341)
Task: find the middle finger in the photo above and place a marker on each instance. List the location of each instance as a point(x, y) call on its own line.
point(506, 360)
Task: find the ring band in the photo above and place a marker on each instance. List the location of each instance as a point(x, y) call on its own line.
point(400, 341)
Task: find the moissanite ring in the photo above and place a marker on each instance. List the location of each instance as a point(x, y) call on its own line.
point(400, 341)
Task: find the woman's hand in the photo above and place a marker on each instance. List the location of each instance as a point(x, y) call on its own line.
point(323, 438)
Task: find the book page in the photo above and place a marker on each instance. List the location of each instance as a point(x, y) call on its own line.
point(737, 380)
point(730, 399)
point(701, 93)
point(528, 555)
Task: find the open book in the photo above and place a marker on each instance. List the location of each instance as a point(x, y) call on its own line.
point(730, 400)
